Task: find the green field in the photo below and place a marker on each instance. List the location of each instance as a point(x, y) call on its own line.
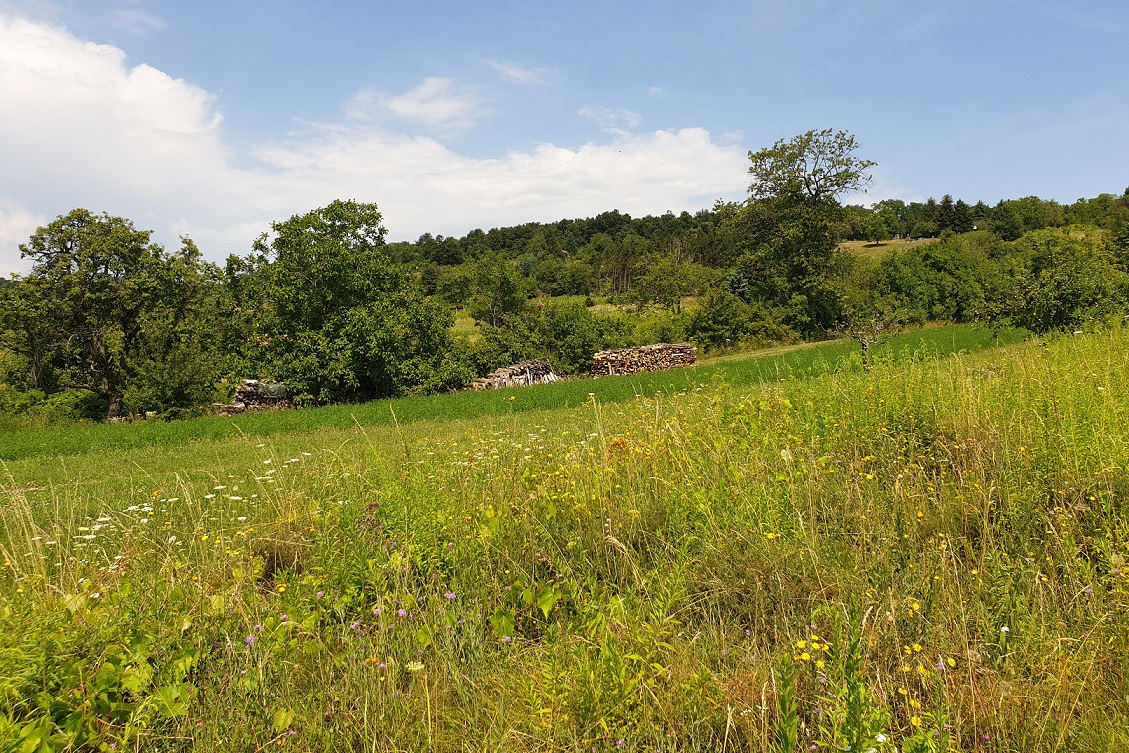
point(773, 366)
point(758, 554)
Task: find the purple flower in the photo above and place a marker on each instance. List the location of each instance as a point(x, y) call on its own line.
point(249, 640)
point(320, 594)
point(506, 639)
point(258, 628)
point(619, 743)
point(283, 618)
point(449, 596)
point(402, 612)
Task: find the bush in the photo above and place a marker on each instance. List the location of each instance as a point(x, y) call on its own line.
point(73, 405)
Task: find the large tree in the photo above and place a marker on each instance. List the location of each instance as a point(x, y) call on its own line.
point(87, 314)
point(792, 219)
point(323, 308)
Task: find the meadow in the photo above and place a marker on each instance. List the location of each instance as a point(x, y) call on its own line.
point(762, 554)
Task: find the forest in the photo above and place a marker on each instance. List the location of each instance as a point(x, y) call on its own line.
point(108, 324)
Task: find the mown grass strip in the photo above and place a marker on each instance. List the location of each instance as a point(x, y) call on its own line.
point(756, 369)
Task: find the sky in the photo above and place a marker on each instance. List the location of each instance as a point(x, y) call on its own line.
point(214, 119)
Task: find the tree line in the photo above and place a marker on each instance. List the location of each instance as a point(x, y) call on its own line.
point(108, 323)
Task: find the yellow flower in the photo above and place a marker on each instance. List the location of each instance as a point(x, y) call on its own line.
point(915, 720)
point(801, 644)
point(951, 661)
point(805, 656)
point(820, 664)
point(917, 648)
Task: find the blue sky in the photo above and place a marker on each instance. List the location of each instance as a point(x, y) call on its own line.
point(215, 118)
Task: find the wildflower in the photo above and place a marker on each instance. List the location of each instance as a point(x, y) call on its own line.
point(915, 720)
point(402, 612)
point(319, 594)
point(449, 596)
point(506, 639)
point(951, 661)
point(414, 666)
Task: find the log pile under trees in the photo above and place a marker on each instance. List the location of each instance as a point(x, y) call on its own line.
point(253, 395)
point(658, 357)
point(521, 374)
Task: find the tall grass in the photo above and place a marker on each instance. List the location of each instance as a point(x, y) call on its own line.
point(824, 358)
point(925, 558)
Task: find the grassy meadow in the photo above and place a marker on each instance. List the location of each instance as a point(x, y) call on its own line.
point(765, 554)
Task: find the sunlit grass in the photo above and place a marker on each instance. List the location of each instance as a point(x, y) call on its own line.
point(754, 369)
point(935, 549)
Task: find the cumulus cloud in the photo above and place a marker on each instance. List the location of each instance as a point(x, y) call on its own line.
point(516, 74)
point(83, 128)
point(16, 225)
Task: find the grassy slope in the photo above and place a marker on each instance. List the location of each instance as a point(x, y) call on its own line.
point(572, 578)
point(772, 366)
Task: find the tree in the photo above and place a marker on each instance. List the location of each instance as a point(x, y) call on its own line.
point(792, 220)
point(881, 224)
point(667, 280)
point(866, 315)
point(83, 318)
point(324, 309)
point(813, 168)
point(498, 291)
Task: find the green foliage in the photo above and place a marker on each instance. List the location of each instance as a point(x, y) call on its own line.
point(103, 308)
point(794, 221)
point(1065, 278)
point(667, 279)
point(498, 291)
point(723, 321)
point(325, 310)
point(566, 335)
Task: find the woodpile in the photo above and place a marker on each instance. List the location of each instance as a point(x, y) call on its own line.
point(658, 357)
point(521, 374)
point(253, 395)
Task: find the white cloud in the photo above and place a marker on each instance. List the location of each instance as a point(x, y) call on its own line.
point(613, 121)
point(516, 74)
point(436, 103)
point(135, 21)
point(655, 91)
point(82, 128)
point(16, 225)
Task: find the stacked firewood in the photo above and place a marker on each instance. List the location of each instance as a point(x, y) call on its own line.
point(252, 395)
point(521, 374)
point(658, 357)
